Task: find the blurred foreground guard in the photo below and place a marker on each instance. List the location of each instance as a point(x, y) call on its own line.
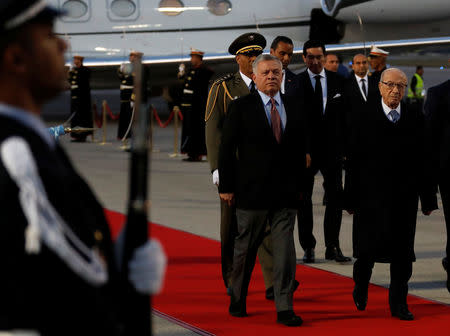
point(193, 104)
point(437, 114)
point(59, 273)
point(385, 177)
point(80, 103)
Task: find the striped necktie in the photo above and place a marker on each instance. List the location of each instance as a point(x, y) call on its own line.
point(394, 116)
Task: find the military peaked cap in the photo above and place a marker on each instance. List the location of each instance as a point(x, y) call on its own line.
point(246, 43)
point(14, 14)
point(375, 51)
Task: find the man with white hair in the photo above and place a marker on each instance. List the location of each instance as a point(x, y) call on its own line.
point(385, 178)
point(265, 128)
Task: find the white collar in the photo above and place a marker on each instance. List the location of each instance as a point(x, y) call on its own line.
point(387, 109)
point(312, 75)
point(247, 80)
point(358, 79)
point(265, 98)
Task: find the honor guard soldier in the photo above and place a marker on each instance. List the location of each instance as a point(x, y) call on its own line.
point(126, 76)
point(193, 103)
point(377, 59)
point(80, 93)
point(226, 89)
point(60, 275)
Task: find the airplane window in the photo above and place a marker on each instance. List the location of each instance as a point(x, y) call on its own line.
point(171, 7)
point(219, 7)
point(123, 8)
point(75, 8)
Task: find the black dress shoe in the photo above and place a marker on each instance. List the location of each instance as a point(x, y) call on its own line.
point(237, 309)
point(335, 253)
point(445, 265)
point(360, 294)
point(270, 295)
point(309, 256)
point(401, 311)
point(288, 318)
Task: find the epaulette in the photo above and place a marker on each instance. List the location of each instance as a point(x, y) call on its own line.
point(223, 78)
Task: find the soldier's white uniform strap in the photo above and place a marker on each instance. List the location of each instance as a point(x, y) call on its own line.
point(44, 223)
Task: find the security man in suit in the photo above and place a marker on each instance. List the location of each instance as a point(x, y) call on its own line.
point(264, 183)
point(60, 275)
point(282, 47)
point(193, 103)
point(80, 93)
point(377, 60)
point(322, 90)
point(223, 91)
point(359, 89)
point(126, 75)
point(437, 116)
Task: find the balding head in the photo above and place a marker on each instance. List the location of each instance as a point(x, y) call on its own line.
point(392, 86)
point(360, 65)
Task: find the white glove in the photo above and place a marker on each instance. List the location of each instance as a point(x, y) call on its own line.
point(216, 177)
point(132, 104)
point(147, 267)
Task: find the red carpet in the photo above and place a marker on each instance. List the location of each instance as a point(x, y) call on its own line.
point(194, 293)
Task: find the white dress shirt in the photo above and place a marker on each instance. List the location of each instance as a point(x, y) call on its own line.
point(247, 80)
point(283, 81)
point(387, 110)
point(366, 82)
point(323, 81)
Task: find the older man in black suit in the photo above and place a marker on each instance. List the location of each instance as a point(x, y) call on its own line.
point(282, 48)
point(437, 114)
point(322, 90)
point(384, 180)
point(265, 128)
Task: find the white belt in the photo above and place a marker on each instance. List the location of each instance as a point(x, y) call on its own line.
point(188, 91)
point(72, 87)
point(123, 87)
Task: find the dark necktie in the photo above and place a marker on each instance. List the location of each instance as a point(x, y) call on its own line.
point(275, 120)
point(394, 115)
point(318, 95)
point(252, 87)
point(363, 86)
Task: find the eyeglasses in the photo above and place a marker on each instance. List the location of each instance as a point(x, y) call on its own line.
point(391, 85)
point(312, 57)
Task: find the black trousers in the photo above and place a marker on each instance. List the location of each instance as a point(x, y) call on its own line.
point(251, 227)
point(444, 189)
point(228, 234)
point(401, 272)
point(332, 175)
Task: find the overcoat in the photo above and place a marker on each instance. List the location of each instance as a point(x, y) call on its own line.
point(384, 180)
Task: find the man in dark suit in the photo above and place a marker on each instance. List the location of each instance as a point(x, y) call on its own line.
point(264, 182)
point(322, 90)
point(385, 177)
point(359, 88)
point(437, 114)
point(223, 91)
point(282, 48)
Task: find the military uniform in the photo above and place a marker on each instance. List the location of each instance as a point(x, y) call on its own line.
point(127, 97)
point(222, 92)
point(80, 93)
point(126, 91)
point(193, 103)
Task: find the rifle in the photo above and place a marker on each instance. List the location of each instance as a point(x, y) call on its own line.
point(136, 307)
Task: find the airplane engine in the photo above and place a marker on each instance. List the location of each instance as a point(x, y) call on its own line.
point(332, 7)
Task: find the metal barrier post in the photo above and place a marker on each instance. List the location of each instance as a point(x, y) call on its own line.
point(175, 153)
point(103, 123)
